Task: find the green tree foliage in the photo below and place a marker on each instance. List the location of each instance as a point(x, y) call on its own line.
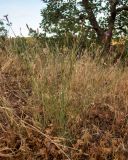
point(3, 35)
point(3, 31)
point(61, 17)
point(100, 18)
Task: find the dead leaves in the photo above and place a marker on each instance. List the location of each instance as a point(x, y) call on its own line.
point(105, 135)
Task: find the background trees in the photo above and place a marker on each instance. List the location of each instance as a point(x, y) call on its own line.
point(3, 31)
point(102, 19)
point(3, 34)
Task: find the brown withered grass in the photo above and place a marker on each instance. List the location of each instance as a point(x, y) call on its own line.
point(57, 107)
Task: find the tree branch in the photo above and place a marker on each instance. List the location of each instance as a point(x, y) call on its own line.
point(123, 8)
point(91, 16)
point(113, 14)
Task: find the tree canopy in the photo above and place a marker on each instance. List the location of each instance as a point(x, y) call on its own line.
point(103, 18)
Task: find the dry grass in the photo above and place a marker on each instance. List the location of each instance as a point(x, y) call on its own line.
point(54, 107)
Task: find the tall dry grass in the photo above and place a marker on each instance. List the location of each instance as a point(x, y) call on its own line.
point(53, 106)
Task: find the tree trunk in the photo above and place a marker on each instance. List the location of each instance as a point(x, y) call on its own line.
point(105, 41)
point(104, 37)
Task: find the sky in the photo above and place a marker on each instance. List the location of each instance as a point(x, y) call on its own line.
point(20, 13)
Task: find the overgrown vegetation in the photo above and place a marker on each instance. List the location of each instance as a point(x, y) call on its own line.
point(53, 106)
point(59, 98)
